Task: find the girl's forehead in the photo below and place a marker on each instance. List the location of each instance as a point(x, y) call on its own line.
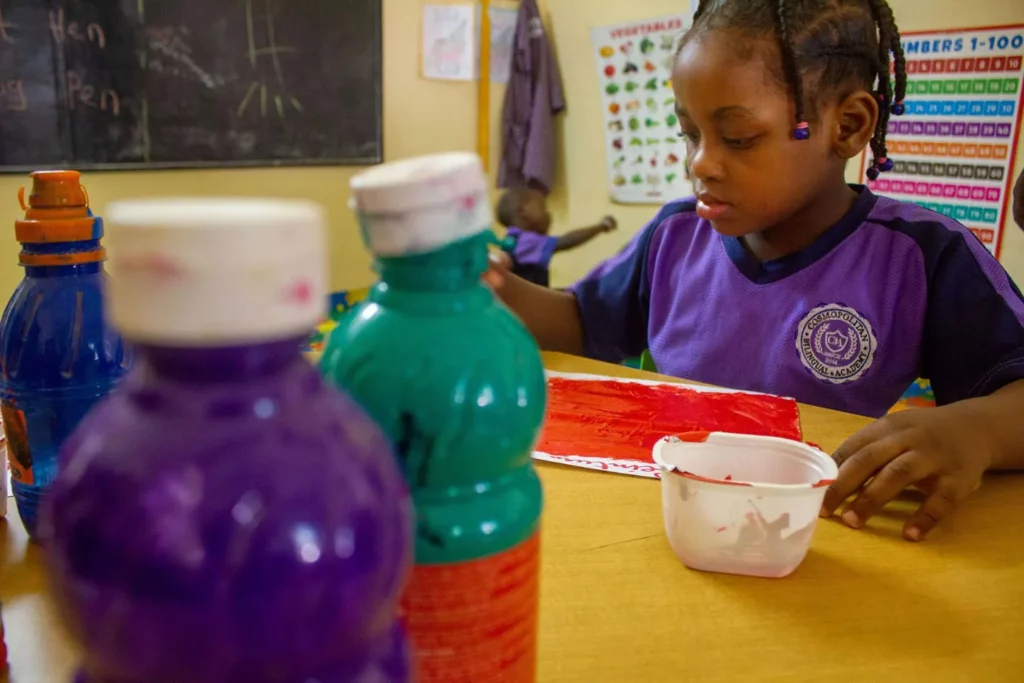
point(709, 70)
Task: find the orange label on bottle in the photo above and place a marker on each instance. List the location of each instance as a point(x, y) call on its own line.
point(18, 453)
point(476, 621)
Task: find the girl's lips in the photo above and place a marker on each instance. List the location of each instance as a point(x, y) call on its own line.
point(712, 210)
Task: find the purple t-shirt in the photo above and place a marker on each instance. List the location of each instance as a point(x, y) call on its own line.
point(531, 255)
point(890, 293)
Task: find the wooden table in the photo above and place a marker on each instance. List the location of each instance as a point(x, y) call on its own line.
point(618, 607)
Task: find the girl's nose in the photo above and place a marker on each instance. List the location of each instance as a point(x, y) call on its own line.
point(703, 164)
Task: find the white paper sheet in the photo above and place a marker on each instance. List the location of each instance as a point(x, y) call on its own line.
point(450, 36)
point(503, 32)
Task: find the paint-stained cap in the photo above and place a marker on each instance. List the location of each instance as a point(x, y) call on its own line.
point(421, 204)
point(214, 272)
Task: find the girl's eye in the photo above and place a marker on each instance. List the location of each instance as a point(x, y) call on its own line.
point(689, 137)
point(739, 143)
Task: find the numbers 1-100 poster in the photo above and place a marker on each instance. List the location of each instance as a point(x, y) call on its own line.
point(643, 151)
point(954, 146)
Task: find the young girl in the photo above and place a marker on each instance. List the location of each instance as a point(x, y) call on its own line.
point(779, 277)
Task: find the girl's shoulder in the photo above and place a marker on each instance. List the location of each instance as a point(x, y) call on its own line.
point(939, 238)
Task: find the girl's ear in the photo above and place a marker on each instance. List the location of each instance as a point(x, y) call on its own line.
point(856, 118)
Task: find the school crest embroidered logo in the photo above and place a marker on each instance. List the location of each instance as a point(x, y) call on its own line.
point(836, 343)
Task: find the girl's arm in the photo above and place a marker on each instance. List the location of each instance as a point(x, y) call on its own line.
point(552, 317)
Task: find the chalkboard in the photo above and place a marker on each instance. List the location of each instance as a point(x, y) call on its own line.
point(95, 84)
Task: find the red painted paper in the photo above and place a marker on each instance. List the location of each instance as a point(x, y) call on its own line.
point(623, 420)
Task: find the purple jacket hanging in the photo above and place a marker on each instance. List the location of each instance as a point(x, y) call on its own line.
point(533, 99)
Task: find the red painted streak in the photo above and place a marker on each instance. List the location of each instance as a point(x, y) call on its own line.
point(623, 420)
point(696, 477)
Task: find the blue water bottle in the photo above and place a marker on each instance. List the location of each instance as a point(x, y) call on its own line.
point(58, 355)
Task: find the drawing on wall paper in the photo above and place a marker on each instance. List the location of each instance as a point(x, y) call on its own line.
point(450, 42)
point(503, 33)
point(953, 149)
point(644, 154)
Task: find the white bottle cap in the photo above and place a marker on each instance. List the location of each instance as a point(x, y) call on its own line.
point(421, 204)
point(215, 272)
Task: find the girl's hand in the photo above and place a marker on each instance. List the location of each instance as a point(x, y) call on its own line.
point(941, 451)
point(609, 223)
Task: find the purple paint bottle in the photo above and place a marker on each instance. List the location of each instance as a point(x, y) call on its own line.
point(225, 517)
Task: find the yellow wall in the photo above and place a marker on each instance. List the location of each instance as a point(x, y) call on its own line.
point(437, 116)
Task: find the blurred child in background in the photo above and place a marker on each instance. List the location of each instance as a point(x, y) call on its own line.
point(529, 247)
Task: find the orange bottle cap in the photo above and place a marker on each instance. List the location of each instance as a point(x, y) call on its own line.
point(55, 189)
point(57, 211)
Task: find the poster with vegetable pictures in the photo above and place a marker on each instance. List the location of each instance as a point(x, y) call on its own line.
point(643, 150)
point(953, 148)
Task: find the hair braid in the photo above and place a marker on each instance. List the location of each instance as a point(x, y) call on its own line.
point(792, 71)
point(878, 149)
point(896, 47)
point(888, 43)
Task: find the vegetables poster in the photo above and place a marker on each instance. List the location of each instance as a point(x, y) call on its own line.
point(643, 151)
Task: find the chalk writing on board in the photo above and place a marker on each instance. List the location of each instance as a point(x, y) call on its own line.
point(171, 43)
point(12, 95)
point(4, 26)
point(12, 90)
point(81, 93)
point(73, 31)
point(272, 50)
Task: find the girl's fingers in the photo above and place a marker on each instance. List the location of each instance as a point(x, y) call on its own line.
point(498, 263)
point(940, 504)
point(905, 470)
point(494, 279)
point(860, 466)
point(873, 432)
point(499, 259)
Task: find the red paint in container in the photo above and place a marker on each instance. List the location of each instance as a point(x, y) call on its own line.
point(742, 504)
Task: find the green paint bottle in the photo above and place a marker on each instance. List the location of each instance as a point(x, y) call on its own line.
point(457, 382)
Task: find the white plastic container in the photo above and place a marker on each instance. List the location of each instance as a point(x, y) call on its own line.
point(741, 504)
